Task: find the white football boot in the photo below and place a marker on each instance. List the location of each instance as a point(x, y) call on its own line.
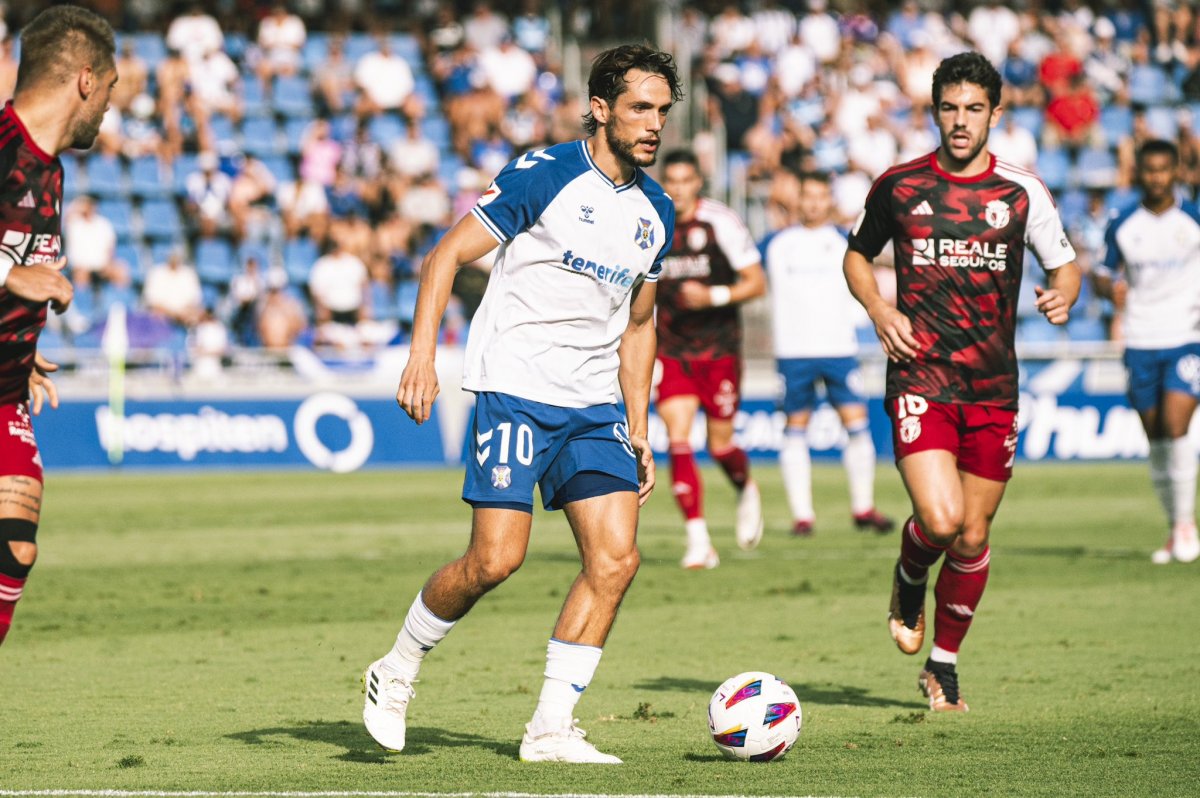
point(565, 745)
point(386, 705)
point(1185, 544)
point(700, 558)
point(749, 528)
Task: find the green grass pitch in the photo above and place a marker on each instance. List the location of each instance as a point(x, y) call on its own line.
point(208, 632)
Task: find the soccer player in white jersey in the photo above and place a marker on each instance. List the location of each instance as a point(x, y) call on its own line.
point(568, 313)
point(1151, 268)
point(712, 268)
point(813, 320)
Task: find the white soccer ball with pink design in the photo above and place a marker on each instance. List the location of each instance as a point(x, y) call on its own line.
point(754, 716)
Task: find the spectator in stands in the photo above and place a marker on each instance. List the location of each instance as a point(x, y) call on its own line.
point(281, 319)
point(413, 154)
point(731, 106)
point(135, 76)
point(445, 32)
point(426, 202)
point(474, 115)
point(819, 32)
point(320, 153)
point(564, 119)
point(531, 29)
point(172, 80)
point(215, 85)
point(344, 197)
point(91, 246)
point(916, 138)
point(484, 28)
point(1129, 144)
point(334, 79)
point(1072, 118)
point(140, 132)
point(304, 209)
point(917, 66)
point(281, 37)
point(524, 124)
point(1021, 87)
point(252, 200)
point(1105, 67)
point(353, 234)
point(732, 32)
point(246, 290)
point(208, 346)
point(195, 34)
point(208, 191)
point(172, 291)
point(510, 71)
point(1012, 143)
point(362, 160)
point(993, 26)
point(338, 287)
point(385, 82)
point(873, 150)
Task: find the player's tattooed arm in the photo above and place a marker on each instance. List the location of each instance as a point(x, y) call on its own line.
point(1056, 300)
point(893, 327)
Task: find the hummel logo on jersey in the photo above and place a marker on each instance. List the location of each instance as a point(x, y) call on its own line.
point(605, 274)
point(587, 211)
point(924, 209)
point(27, 201)
point(525, 162)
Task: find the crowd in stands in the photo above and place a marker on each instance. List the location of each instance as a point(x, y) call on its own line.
point(276, 176)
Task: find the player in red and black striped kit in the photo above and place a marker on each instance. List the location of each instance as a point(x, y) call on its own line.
point(713, 267)
point(959, 222)
point(64, 81)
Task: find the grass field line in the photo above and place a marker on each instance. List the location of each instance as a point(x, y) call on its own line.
point(352, 793)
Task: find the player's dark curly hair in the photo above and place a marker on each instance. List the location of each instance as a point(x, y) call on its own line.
point(61, 40)
point(681, 156)
point(607, 80)
point(1158, 147)
point(967, 68)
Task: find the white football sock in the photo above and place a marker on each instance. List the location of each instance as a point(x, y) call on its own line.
point(1160, 455)
point(796, 464)
point(697, 533)
point(942, 655)
point(1181, 468)
point(569, 670)
point(859, 460)
point(422, 631)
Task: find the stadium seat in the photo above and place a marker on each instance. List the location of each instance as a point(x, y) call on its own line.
point(161, 250)
point(383, 302)
point(1030, 118)
point(104, 177)
point(254, 98)
point(260, 137)
point(385, 129)
point(260, 252)
point(184, 165)
point(1096, 168)
point(281, 167)
point(316, 48)
point(299, 254)
point(223, 132)
point(120, 213)
point(406, 301)
point(210, 295)
point(215, 263)
point(293, 133)
point(74, 177)
point(358, 45)
point(1148, 85)
point(1026, 296)
point(1163, 120)
point(1072, 207)
point(151, 48)
point(1117, 122)
point(1119, 199)
point(293, 96)
point(133, 258)
point(342, 127)
point(161, 220)
point(146, 178)
point(407, 47)
point(1054, 167)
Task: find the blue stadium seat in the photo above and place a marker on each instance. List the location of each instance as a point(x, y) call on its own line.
point(1054, 167)
point(281, 167)
point(151, 48)
point(1148, 85)
point(293, 96)
point(407, 47)
point(133, 257)
point(161, 250)
point(260, 137)
point(120, 213)
point(1163, 120)
point(358, 45)
point(383, 302)
point(385, 129)
point(146, 178)
point(104, 177)
point(1119, 199)
point(161, 220)
point(74, 178)
point(260, 252)
point(293, 133)
point(1096, 168)
point(183, 166)
point(1030, 118)
point(342, 127)
point(436, 129)
point(406, 301)
point(1117, 122)
point(215, 263)
point(223, 132)
point(316, 48)
point(299, 254)
point(210, 295)
point(1026, 296)
point(1072, 206)
point(254, 98)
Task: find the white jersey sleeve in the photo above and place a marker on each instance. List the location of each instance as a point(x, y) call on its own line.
point(1044, 232)
point(732, 236)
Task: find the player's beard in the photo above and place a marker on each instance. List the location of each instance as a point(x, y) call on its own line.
point(624, 150)
point(972, 154)
point(85, 131)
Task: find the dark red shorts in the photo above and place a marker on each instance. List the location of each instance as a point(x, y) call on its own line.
point(717, 382)
point(19, 454)
point(982, 438)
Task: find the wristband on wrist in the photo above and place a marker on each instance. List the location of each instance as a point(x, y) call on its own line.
point(719, 295)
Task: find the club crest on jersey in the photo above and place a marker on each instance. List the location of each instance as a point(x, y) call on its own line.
point(644, 236)
point(697, 239)
point(501, 477)
point(910, 429)
point(997, 214)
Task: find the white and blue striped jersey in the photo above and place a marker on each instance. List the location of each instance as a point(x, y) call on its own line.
point(813, 312)
point(1161, 257)
point(573, 245)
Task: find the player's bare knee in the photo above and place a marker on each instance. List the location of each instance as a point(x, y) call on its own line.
point(941, 525)
point(613, 571)
point(24, 553)
point(973, 540)
point(488, 573)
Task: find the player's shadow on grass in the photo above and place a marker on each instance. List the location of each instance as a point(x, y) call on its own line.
point(359, 747)
point(808, 694)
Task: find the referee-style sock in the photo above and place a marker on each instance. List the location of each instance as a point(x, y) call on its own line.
point(959, 588)
point(735, 463)
point(858, 458)
point(422, 631)
point(917, 553)
point(796, 464)
point(1181, 470)
point(685, 481)
point(569, 670)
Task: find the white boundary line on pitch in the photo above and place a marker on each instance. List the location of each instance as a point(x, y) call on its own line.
point(343, 794)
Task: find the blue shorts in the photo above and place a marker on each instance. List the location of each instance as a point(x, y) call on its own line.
point(840, 375)
point(1152, 373)
point(516, 443)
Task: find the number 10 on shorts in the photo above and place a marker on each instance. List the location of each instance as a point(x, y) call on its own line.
point(524, 444)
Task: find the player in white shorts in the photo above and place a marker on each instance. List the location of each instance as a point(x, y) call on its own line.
point(568, 313)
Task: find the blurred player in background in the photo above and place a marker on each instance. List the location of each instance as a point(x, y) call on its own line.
point(568, 312)
point(959, 222)
point(713, 267)
point(1151, 270)
point(813, 320)
point(66, 75)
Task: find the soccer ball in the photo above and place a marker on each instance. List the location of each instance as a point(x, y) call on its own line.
point(754, 716)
